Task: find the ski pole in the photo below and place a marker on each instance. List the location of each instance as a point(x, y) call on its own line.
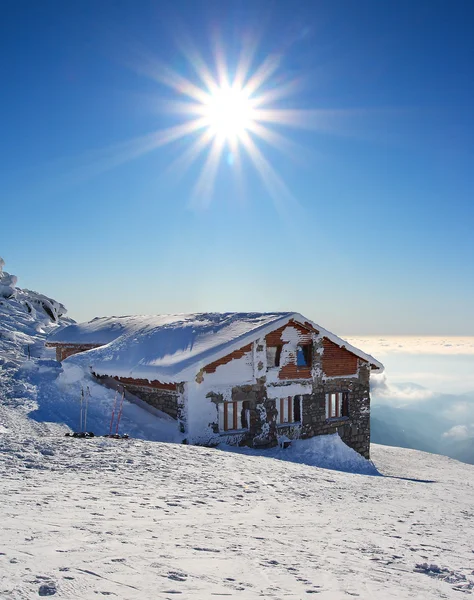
point(113, 412)
point(80, 416)
point(88, 393)
point(120, 411)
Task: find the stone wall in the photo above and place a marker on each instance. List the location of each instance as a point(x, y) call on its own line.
point(263, 430)
point(353, 429)
point(164, 400)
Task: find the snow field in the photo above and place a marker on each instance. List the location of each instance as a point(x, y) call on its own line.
point(137, 519)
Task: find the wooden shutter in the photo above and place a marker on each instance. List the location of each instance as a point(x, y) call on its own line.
point(236, 414)
point(345, 404)
point(278, 356)
point(226, 420)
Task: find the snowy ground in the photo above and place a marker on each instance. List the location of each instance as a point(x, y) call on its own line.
point(137, 519)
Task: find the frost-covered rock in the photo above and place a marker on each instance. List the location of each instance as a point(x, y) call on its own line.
point(7, 282)
point(33, 301)
point(26, 319)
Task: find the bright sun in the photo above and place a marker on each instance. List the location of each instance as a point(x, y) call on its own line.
point(229, 112)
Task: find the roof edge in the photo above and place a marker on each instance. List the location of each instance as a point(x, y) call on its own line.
point(189, 372)
point(262, 330)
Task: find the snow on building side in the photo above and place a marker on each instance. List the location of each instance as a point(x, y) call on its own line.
point(239, 378)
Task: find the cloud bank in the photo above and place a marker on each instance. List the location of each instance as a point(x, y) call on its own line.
point(383, 345)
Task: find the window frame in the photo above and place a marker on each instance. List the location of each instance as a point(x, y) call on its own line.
point(238, 408)
point(307, 351)
point(290, 410)
point(277, 360)
point(341, 405)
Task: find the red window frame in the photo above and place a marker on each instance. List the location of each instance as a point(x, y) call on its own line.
point(234, 421)
point(340, 405)
point(289, 403)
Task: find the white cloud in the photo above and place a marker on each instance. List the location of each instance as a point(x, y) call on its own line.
point(459, 432)
point(387, 390)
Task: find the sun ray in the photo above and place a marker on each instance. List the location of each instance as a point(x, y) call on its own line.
point(266, 70)
point(246, 58)
point(238, 171)
point(185, 160)
point(219, 57)
point(204, 187)
point(276, 140)
point(316, 120)
point(194, 58)
point(183, 85)
point(180, 107)
point(276, 187)
point(154, 69)
point(99, 161)
point(277, 93)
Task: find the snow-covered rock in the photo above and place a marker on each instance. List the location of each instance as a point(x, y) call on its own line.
point(7, 282)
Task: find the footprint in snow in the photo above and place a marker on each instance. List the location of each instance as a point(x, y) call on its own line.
point(175, 576)
point(47, 589)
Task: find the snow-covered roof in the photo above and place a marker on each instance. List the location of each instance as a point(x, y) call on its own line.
point(175, 347)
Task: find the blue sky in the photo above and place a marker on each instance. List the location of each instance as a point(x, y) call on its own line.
point(375, 232)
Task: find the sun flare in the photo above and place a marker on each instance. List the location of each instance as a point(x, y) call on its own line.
point(229, 112)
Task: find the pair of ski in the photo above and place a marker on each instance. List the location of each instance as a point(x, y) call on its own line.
point(84, 405)
point(111, 433)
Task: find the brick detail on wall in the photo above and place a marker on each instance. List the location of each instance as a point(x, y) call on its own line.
point(145, 383)
point(291, 370)
point(63, 351)
point(211, 368)
point(274, 338)
point(336, 361)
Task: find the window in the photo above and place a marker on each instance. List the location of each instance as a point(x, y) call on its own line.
point(304, 355)
point(337, 405)
point(233, 416)
point(273, 356)
point(289, 410)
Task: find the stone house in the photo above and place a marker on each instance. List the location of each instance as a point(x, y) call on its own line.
point(236, 378)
